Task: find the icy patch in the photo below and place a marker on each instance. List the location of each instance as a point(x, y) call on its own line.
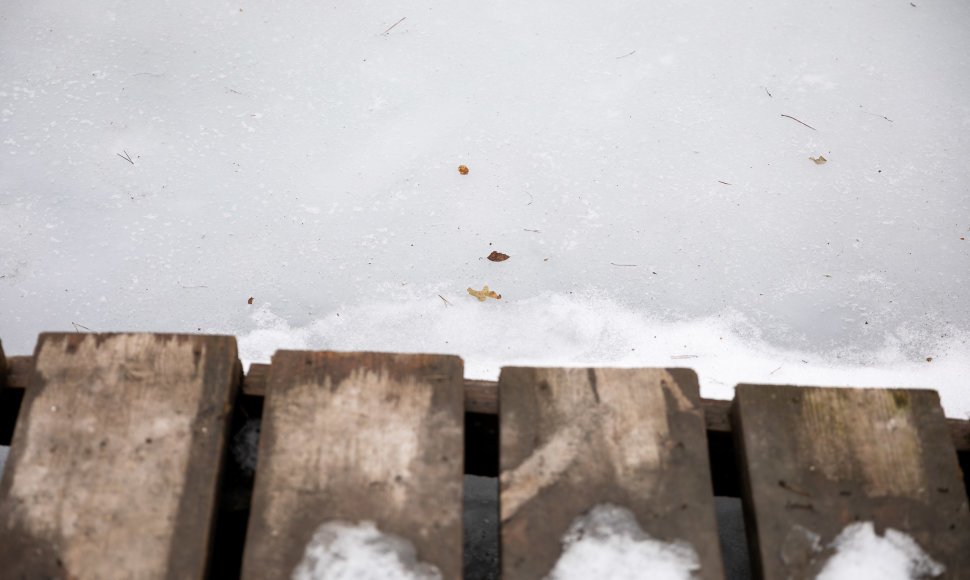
point(480, 520)
point(608, 542)
point(862, 555)
point(345, 551)
point(245, 446)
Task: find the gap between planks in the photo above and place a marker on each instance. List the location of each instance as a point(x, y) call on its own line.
point(480, 397)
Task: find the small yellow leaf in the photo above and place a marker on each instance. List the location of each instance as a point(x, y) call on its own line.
point(818, 160)
point(484, 293)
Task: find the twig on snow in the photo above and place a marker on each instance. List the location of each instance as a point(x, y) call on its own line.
point(794, 119)
point(184, 287)
point(877, 115)
point(126, 157)
point(392, 26)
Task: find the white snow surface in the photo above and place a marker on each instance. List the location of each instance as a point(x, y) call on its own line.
point(607, 542)
point(163, 163)
point(862, 555)
point(346, 551)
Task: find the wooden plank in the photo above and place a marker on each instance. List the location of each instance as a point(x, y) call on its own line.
point(114, 463)
point(254, 384)
point(358, 437)
point(4, 368)
point(482, 397)
point(816, 460)
point(19, 369)
point(573, 439)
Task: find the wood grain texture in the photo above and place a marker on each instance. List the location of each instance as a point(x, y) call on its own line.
point(572, 439)
point(818, 459)
point(358, 437)
point(115, 459)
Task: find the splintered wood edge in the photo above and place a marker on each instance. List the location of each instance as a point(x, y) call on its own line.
point(480, 397)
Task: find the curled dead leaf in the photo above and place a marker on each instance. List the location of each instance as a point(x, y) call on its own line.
point(463, 170)
point(498, 257)
point(484, 293)
point(250, 299)
point(818, 160)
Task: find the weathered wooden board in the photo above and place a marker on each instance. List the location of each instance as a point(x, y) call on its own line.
point(818, 459)
point(3, 368)
point(115, 458)
point(358, 437)
point(572, 439)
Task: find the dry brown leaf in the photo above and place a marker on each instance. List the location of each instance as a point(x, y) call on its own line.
point(463, 170)
point(484, 293)
point(498, 257)
point(818, 160)
point(250, 299)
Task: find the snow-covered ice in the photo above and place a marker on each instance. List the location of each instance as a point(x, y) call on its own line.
point(346, 551)
point(160, 165)
point(607, 542)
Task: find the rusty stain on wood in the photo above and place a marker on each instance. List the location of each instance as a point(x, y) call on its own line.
point(114, 464)
point(358, 437)
point(636, 440)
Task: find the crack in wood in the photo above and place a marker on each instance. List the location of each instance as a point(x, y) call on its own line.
point(591, 375)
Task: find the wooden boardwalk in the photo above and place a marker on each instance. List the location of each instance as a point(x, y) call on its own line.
point(119, 464)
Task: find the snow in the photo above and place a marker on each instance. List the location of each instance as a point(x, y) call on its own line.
point(161, 165)
point(607, 542)
point(346, 551)
point(862, 555)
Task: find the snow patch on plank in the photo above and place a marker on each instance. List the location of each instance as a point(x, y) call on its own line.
point(862, 555)
point(607, 542)
point(346, 551)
